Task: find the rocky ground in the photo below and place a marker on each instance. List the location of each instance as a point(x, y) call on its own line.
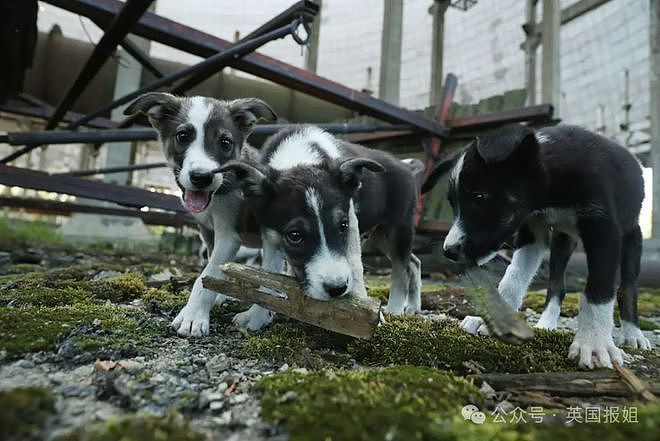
point(87, 354)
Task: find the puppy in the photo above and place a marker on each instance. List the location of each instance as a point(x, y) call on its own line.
point(564, 183)
point(199, 135)
point(313, 194)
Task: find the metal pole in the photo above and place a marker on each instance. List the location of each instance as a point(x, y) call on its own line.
point(654, 74)
point(438, 10)
point(390, 51)
point(118, 135)
point(305, 10)
point(117, 30)
point(216, 60)
point(198, 43)
point(127, 17)
point(550, 89)
point(111, 170)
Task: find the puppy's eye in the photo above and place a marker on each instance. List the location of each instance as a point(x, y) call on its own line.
point(294, 237)
point(225, 144)
point(183, 136)
point(343, 225)
point(479, 195)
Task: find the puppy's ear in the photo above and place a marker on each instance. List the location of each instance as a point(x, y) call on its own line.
point(153, 105)
point(249, 178)
point(512, 142)
point(247, 111)
point(350, 171)
point(439, 170)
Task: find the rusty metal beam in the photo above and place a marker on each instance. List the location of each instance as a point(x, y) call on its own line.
point(532, 114)
point(87, 188)
point(195, 42)
point(147, 134)
point(128, 14)
point(303, 9)
point(46, 112)
point(67, 208)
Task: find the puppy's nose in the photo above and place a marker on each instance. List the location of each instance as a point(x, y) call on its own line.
point(201, 179)
point(452, 252)
point(335, 289)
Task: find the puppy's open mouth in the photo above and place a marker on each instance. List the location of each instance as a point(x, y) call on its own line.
point(196, 201)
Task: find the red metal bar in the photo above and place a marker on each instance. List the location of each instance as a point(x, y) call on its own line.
point(442, 110)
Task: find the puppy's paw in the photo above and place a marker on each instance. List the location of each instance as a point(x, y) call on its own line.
point(191, 322)
point(632, 336)
point(254, 319)
point(593, 350)
point(394, 309)
point(474, 325)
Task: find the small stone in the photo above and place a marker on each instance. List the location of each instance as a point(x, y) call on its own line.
point(215, 406)
point(104, 275)
point(238, 398)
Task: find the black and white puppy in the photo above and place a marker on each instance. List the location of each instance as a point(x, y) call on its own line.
point(313, 194)
point(199, 135)
point(563, 184)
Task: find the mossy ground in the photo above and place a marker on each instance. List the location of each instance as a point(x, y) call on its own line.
point(39, 310)
point(411, 403)
point(16, 233)
point(404, 383)
point(403, 402)
point(648, 305)
point(137, 428)
point(416, 341)
point(24, 411)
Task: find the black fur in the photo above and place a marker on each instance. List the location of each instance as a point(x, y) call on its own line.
point(509, 178)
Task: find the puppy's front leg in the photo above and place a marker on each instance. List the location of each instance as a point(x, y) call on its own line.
point(593, 344)
point(193, 320)
point(258, 317)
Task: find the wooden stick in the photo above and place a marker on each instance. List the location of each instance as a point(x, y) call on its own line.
point(350, 315)
point(634, 383)
point(568, 384)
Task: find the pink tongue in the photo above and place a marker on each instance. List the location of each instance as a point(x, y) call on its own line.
point(196, 201)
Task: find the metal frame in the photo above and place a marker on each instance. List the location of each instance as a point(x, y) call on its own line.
point(119, 18)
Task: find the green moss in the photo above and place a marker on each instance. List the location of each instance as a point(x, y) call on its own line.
point(648, 303)
point(22, 268)
point(536, 301)
point(413, 340)
point(104, 329)
point(68, 287)
point(412, 403)
point(16, 233)
point(24, 412)
point(278, 343)
point(165, 301)
point(137, 428)
point(647, 325)
point(119, 289)
point(403, 402)
point(380, 288)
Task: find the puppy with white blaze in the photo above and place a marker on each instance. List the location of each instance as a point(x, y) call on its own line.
point(558, 185)
point(313, 194)
point(199, 135)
